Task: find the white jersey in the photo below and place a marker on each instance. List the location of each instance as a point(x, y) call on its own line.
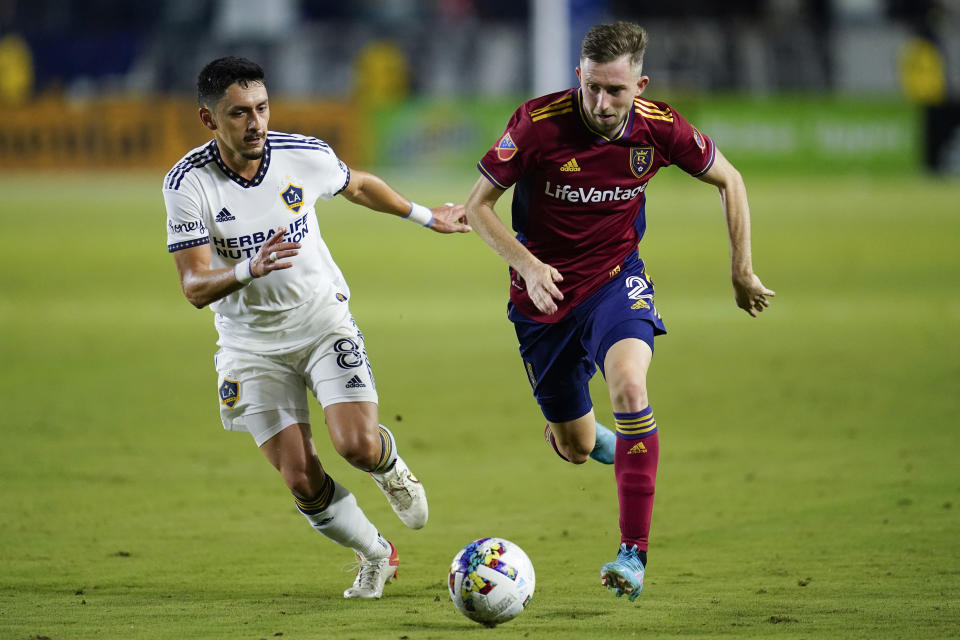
point(208, 203)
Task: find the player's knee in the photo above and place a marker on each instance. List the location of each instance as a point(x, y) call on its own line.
point(361, 449)
point(629, 395)
point(300, 482)
point(576, 452)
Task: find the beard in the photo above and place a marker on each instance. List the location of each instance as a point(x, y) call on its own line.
point(253, 153)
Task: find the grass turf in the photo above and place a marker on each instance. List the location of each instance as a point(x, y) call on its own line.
point(808, 484)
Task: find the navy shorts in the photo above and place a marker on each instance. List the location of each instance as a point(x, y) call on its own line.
point(561, 358)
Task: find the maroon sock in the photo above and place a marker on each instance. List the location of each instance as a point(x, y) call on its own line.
point(548, 436)
point(635, 467)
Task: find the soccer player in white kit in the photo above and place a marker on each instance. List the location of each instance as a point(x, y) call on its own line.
point(244, 234)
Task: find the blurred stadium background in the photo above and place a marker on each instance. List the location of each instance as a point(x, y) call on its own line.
point(822, 85)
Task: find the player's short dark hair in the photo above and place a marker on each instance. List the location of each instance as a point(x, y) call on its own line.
point(219, 74)
point(609, 42)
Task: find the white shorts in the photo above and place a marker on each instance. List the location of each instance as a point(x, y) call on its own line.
point(263, 394)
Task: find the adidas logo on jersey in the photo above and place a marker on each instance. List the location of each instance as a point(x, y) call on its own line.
point(224, 216)
point(637, 448)
point(355, 383)
point(570, 165)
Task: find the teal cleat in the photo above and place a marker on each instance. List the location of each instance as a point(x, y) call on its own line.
point(625, 574)
point(605, 447)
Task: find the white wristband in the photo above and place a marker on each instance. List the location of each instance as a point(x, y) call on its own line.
point(241, 271)
point(420, 214)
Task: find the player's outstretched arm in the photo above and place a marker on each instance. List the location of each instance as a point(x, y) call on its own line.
point(202, 285)
point(374, 193)
point(540, 278)
point(750, 294)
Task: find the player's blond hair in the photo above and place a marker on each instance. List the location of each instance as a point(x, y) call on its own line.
point(609, 42)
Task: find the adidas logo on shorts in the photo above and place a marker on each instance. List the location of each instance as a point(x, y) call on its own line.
point(355, 383)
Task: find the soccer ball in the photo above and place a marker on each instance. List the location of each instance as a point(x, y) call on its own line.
point(491, 581)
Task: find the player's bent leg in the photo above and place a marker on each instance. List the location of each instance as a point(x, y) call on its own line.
point(563, 394)
point(573, 440)
point(359, 437)
point(354, 432)
point(603, 448)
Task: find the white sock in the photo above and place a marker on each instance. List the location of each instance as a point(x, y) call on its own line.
point(345, 523)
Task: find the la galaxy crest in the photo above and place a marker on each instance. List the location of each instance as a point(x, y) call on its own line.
point(641, 159)
point(229, 393)
point(293, 197)
point(506, 148)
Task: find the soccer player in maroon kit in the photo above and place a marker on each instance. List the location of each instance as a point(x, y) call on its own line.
point(580, 296)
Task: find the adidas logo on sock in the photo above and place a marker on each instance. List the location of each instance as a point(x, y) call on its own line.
point(570, 165)
point(638, 448)
point(355, 383)
point(224, 216)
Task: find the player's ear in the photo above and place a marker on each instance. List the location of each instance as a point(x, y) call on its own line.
point(579, 79)
point(642, 84)
point(206, 117)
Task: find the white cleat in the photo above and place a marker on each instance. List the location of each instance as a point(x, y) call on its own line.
point(372, 575)
point(405, 494)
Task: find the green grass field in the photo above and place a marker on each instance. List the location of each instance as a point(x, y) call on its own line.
point(809, 484)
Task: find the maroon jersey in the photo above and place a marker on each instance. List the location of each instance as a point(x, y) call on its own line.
point(578, 200)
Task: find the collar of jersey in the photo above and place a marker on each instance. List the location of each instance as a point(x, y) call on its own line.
point(624, 126)
point(236, 177)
